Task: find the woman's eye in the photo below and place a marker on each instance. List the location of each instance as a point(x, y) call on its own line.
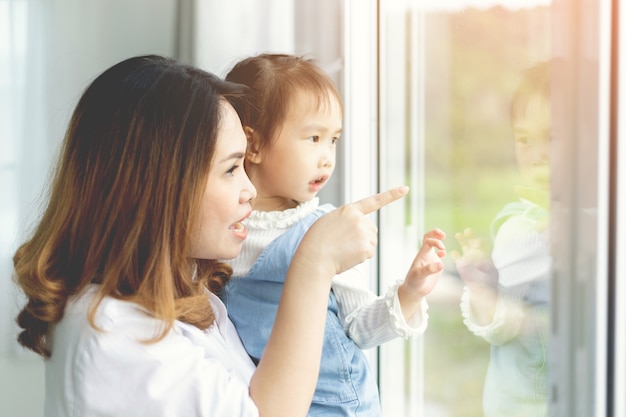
point(232, 169)
point(314, 139)
point(334, 140)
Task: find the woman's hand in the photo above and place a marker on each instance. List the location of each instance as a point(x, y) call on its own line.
point(345, 237)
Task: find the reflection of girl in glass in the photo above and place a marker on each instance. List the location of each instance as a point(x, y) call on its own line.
point(506, 296)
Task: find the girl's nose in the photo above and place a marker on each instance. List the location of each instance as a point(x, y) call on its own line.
point(326, 160)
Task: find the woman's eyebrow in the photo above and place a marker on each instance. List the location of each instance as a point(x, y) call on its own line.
point(236, 155)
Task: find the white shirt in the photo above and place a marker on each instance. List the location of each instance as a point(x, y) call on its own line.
point(110, 372)
point(369, 320)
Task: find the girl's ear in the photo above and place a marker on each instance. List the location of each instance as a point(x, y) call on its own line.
point(253, 154)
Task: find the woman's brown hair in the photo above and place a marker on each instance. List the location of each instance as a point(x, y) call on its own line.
point(124, 199)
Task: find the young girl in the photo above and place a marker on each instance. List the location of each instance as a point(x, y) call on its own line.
point(121, 271)
point(295, 123)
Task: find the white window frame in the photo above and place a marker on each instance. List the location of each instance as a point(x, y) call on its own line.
point(619, 272)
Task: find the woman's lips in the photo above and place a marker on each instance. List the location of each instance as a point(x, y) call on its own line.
point(239, 229)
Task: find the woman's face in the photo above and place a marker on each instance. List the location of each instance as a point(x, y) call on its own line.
point(226, 203)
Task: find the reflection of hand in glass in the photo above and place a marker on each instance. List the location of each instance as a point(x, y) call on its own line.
point(474, 263)
point(478, 273)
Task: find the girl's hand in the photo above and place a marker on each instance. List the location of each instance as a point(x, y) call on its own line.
point(427, 265)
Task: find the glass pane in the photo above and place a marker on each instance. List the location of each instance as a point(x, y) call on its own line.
point(579, 207)
point(498, 116)
point(466, 122)
point(486, 178)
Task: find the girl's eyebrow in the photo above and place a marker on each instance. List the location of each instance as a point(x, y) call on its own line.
point(314, 126)
point(236, 155)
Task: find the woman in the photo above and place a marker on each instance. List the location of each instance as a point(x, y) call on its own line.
point(120, 272)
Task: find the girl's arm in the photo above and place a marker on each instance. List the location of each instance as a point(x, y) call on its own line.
point(402, 311)
point(371, 320)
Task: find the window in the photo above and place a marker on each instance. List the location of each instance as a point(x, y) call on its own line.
point(428, 87)
point(446, 75)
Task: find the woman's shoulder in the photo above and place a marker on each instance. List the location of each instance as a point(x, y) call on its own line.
point(110, 315)
point(119, 330)
point(118, 369)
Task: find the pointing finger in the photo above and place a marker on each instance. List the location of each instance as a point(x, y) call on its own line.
point(377, 201)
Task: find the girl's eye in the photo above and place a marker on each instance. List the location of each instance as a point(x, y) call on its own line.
point(334, 140)
point(522, 140)
point(314, 139)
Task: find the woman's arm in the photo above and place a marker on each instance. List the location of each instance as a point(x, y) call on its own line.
point(285, 379)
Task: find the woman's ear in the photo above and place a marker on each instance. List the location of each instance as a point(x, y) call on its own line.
point(253, 154)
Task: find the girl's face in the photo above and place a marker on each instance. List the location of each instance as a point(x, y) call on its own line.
point(220, 232)
point(300, 160)
point(531, 133)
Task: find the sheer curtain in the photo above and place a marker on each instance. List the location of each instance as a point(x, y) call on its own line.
point(49, 51)
point(12, 85)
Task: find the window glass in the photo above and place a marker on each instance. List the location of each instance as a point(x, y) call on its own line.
point(497, 114)
point(465, 121)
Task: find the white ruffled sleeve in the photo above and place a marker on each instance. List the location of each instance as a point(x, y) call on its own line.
point(370, 320)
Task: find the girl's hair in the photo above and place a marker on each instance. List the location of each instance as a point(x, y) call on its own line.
point(273, 80)
point(125, 197)
point(535, 84)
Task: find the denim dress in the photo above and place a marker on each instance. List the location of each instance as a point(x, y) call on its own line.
point(346, 385)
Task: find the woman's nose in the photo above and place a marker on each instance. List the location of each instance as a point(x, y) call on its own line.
point(249, 191)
